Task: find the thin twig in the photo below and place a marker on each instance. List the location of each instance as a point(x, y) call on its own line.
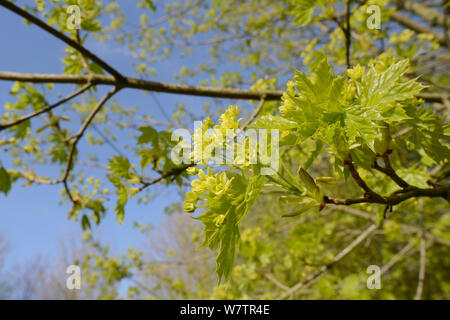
point(348, 34)
point(76, 138)
point(389, 171)
point(369, 193)
point(395, 198)
point(172, 173)
point(255, 113)
point(434, 17)
point(314, 276)
point(408, 228)
point(46, 109)
point(396, 258)
point(276, 281)
point(423, 261)
point(412, 24)
point(107, 140)
point(160, 107)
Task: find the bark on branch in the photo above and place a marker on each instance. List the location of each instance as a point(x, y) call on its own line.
point(434, 17)
point(418, 27)
point(410, 23)
point(316, 275)
point(155, 86)
point(396, 198)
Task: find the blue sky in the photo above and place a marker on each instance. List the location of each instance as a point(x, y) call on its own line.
point(32, 220)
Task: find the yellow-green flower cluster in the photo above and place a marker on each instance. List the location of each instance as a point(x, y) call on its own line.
point(206, 140)
point(210, 185)
point(357, 72)
point(287, 98)
point(228, 120)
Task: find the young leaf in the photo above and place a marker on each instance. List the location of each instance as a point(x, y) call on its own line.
point(5, 181)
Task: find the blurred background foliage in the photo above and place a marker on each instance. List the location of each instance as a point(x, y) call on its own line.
point(243, 44)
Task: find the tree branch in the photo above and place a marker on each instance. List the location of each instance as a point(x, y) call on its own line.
point(348, 34)
point(309, 279)
point(422, 254)
point(408, 228)
point(174, 173)
point(46, 109)
point(76, 138)
point(12, 7)
point(213, 92)
point(434, 17)
point(254, 114)
point(396, 198)
point(397, 258)
point(145, 85)
point(389, 171)
point(275, 281)
point(369, 193)
point(415, 26)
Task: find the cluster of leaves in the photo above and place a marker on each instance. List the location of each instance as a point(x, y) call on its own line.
point(56, 13)
point(346, 118)
point(227, 202)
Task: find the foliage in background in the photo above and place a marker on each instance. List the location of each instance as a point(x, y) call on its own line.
point(368, 147)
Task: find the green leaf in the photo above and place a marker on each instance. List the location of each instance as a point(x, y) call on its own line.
point(314, 154)
point(22, 130)
point(229, 209)
point(120, 167)
point(326, 180)
point(302, 206)
point(5, 181)
point(122, 200)
point(307, 180)
point(85, 223)
point(310, 185)
point(97, 207)
point(429, 132)
point(149, 135)
point(15, 88)
point(151, 5)
point(384, 88)
point(303, 12)
point(274, 122)
point(226, 257)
